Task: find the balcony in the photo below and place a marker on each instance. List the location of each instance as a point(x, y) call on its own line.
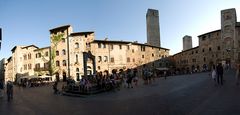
point(41, 69)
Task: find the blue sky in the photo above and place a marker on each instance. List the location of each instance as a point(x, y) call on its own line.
point(26, 22)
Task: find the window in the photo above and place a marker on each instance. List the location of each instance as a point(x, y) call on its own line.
point(39, 55)
point(152, 55)
point(204, 59)
point(128, 59)
point(120, 47)
point(63, 52)
point(78, 76)
point(85, 35)
point(99, 58)
point(132, 50)
point(99, 67)
point(45, 65)
point(128, 47)
point(133, 60)
point(104, 45)
point(193, 60)
point(99, 45)
point(37, 66)
point(142, 48)
point(57, 53)
point(112, 59)
point(203, 50)
point(142, 56)
point(25, 57)
point(210, 49)
point(219, 48)
point(76, 45)
point(57, 63)
point(29, 66)
point(29, 56)
point(76, 58)
point(88, 45)
point(64, 63)
point(105, 58)
point(111, 47)
point(203, 38)
point(25, 67)
point(196, 51)
point(46, 53)
point(77, 69)
point(63, 40)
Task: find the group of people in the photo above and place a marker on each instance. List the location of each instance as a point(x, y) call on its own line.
point(117, 79)
point(217, 74)
point(105, 80)
point(9, 90)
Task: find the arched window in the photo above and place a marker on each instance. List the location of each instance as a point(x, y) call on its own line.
point(63, 52)
point(25, 57)
point(76, 58)
point(63, 40)
point(105, 58)
point(29, 56)
point(64, 63)
point(57, 63)
point(57, 53)
point(99, 58)
point(77, 69)
point(76, 45)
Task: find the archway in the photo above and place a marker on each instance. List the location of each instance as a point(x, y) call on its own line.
point(64, 76)
point(86, 56)
point(57, 77)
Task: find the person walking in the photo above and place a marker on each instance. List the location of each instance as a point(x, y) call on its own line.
point(129, 78)
point(214, 74)
point(220, 74)
point(9, 90)
point(55, 89)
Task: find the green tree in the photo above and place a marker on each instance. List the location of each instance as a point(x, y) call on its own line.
point(55, 39)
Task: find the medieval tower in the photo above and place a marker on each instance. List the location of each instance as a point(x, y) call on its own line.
point(229, 41)
point(187, 42)
point(153, 31)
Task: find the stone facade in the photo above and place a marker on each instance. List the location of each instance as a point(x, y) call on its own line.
point(26, 61)
point(153, 30)
point(220, 46)
point(65, 56)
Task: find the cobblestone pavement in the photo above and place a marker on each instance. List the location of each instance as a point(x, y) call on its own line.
point(193, 94)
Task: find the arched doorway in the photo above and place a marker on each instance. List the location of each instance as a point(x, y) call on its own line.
point(57, 77)
point(64, 76)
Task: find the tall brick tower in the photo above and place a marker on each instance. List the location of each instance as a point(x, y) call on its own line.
point(153, 31)
point(187, 42)
point(229, 41)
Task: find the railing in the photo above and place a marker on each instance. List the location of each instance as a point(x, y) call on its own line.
point(41, 69)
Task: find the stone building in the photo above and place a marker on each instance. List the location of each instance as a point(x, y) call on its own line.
point(219, 46)
point(26, 61)
point(153, 29)
point(109, 55)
